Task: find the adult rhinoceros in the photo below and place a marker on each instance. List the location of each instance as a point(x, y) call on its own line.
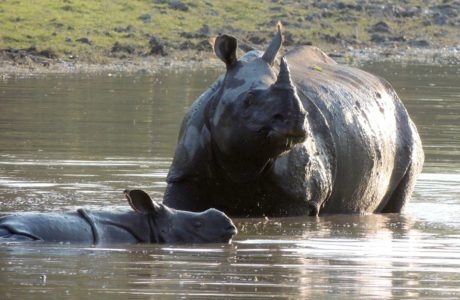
point(310, 137)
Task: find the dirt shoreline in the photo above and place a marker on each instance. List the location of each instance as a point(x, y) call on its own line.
point(30, 65)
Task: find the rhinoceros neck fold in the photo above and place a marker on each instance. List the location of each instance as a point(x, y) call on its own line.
point(155, 229)
point(88, 218)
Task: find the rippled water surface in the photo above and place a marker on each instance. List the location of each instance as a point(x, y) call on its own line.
point(78, 141)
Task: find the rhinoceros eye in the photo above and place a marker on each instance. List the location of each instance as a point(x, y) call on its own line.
point(198, 224)
point(249, 99)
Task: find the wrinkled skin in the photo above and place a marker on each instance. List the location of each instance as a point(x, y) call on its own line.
point(308, 137)
point(149, 223)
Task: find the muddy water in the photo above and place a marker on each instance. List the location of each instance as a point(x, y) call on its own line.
point(76, 140)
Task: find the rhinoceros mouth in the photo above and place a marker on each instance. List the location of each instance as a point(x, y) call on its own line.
point(291, 140)
point(286, 138)
point(231, 230)
point(229, 233)
point(282, 139)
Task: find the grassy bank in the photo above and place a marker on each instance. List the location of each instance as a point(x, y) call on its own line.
point(100, 31)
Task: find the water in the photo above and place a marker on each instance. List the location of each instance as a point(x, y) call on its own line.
point(76, 140)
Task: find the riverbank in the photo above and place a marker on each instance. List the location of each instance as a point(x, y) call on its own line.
point(81, 36)
point(183, 60)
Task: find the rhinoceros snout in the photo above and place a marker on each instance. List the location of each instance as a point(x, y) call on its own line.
point(231, 230)
point(294, 130)
point(223, 226)
point(288, 119)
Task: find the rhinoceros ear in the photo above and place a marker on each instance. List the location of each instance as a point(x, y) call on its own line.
point(140, 201)
point(225, 49)
point(275, 45)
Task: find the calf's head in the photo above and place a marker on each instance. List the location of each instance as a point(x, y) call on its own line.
point(178, 226)
point(256, 113)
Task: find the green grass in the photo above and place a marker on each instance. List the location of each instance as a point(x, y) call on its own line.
point(47, 24)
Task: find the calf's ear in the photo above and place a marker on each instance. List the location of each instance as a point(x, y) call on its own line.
point(225, 49)
point(140, 201)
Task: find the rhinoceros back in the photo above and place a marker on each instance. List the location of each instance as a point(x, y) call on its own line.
point(83, 226)
point(372, 135)
point(50, 227)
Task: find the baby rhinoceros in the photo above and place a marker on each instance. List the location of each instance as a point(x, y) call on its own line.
point(148, 223)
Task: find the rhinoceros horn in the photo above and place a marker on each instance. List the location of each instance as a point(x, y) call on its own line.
point(284, 76)
point(275, 45)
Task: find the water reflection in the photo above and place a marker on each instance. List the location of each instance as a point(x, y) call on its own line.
point(372, 256)
point(78, 140)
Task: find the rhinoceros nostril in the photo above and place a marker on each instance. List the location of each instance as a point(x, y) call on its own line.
point(265, 130)
point(231, 229)
point(278, 117)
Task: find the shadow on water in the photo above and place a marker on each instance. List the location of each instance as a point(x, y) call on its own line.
point(73, 141)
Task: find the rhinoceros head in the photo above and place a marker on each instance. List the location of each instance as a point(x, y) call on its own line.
point(256, 114)
point(179, 226)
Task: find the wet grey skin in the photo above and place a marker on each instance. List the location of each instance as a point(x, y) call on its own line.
point(294, 136)
point(148, 223)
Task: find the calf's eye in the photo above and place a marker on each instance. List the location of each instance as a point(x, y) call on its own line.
point(198, 224)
